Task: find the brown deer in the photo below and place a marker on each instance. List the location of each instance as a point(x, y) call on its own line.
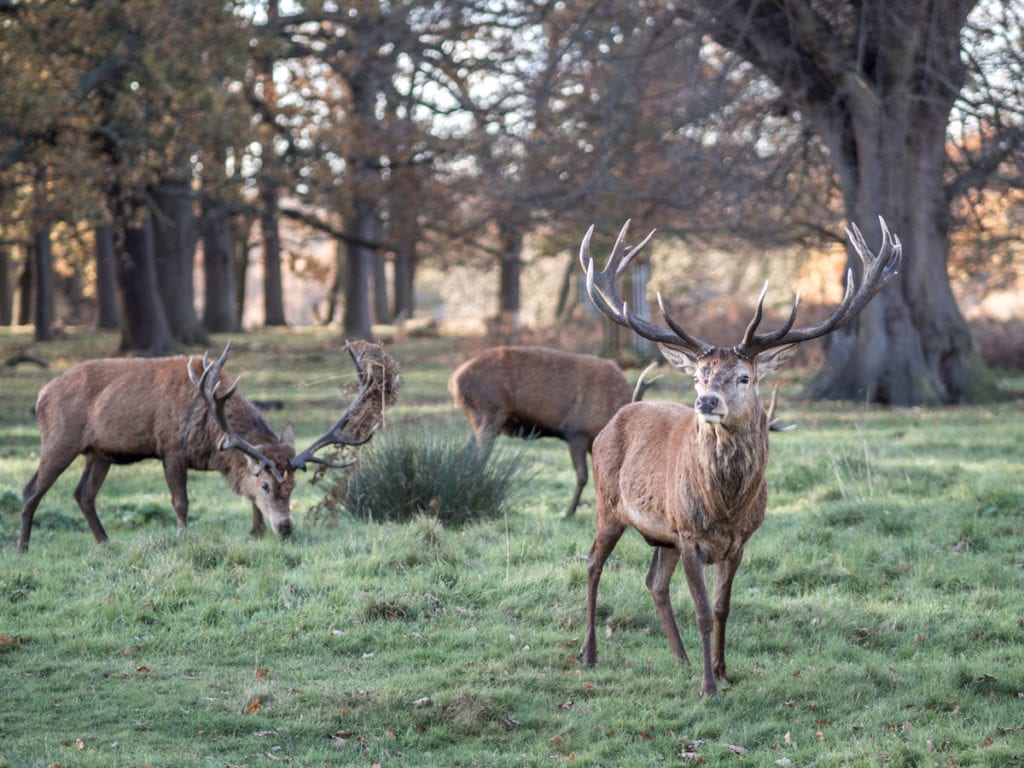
point(185, 413)
point(540, 392)
point(692, 480)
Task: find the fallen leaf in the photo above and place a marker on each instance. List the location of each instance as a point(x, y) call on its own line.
point(79, 744)
point(143, 670)
point(253, 706)
point(261, 673)
point(736, 750)
point(788, 739)
point(426, 701)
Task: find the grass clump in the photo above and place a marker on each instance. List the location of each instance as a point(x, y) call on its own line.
point(410, 473)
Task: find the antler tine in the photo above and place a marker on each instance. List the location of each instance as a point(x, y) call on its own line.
point(207, 384)
point(878, 271)
point(602, 289)
point(334, 435)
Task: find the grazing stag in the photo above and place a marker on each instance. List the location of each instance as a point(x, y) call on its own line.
point(539, 392)
point(692, 480)
point(185, 413)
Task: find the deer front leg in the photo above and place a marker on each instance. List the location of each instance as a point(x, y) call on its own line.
point(176, 474)
point(604, 543)
point(663, 565)
point(693, 567)
point(724, 573)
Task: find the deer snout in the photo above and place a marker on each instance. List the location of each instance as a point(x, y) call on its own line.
point(710, 408)
point(284, 528)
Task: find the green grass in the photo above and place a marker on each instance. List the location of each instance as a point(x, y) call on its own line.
point(878, 618)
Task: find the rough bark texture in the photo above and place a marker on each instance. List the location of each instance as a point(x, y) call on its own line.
point(107, 313)
point(218, 267)
point(273, 291)
point(175, 229)
point(876, 82)
point(144, 328)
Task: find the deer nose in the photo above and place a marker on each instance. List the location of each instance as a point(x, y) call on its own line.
point(284, 528)
point(707, 403)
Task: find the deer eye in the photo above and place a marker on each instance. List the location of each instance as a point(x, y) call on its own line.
point(265, 486)
point(744, 378)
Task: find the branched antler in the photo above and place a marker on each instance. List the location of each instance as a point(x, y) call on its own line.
point(208, 383)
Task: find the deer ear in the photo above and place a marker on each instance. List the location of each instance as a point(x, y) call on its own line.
point(772, 359)
point(288, 435)
point(679, 359)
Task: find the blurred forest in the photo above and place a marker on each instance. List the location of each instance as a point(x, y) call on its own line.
point(172, 168)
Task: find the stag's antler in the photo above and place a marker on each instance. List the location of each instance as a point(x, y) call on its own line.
point(602, 289)
point(207, 384)
point(878, 270)
point(335, 435)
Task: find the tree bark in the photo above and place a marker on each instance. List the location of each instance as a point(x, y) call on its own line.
point(6, 294)
point(510, 277)
point(219, 314)
point(273, 291)
point(359, 266)
point(42, 258)
point(144, 328)
point(175, 230)
point(108, 315)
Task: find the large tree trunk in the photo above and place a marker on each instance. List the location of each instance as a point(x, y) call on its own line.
point(219, 314)
point(6, 293)
point(365, 226)
point(107, 313)
point(175, 240)
point(144, 328)
point(880, 100)
point(405, 277)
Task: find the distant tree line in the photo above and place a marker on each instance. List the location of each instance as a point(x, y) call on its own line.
point(131, 131)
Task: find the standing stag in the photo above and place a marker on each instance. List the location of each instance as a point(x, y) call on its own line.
point(540, 392)
point(183, 412)
point(692, 480)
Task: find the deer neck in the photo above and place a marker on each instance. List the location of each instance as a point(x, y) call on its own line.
point(731, 461)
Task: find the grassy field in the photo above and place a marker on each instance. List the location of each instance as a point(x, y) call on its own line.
point(878, 618)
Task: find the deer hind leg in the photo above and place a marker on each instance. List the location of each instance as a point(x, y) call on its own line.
point(724, 573)
point(96, 469)
point(578, 450)
point(604, 543)
point(694, 568)
point(663, 565)
point(52, 464)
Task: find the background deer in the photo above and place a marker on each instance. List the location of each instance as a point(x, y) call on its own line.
point(181, 411)
point(692, 480)
point(539, 392)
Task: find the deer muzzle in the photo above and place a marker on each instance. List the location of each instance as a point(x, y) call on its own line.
point(710, 408)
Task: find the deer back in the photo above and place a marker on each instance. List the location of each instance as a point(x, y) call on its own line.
point(544, 389)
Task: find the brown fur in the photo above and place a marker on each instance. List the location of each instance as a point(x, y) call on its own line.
point(122, 410)
point(534, 391)
point(695, 490)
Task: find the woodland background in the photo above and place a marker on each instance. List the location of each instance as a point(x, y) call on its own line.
point(175, 169)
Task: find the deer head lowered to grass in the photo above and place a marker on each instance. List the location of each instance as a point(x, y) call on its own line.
point(184, 412)
point(692, 480)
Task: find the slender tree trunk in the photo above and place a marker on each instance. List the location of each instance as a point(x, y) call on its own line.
point(219, 314)
point(25, 290)
point(273, 291)
point(175, 230)
point(405, 277)
point(144, 328)
point(381, 307)
point(339, 282)
point(240, 226)
point(42, 258)
point(108, 315)
point(6, 292)
point(510, 274)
